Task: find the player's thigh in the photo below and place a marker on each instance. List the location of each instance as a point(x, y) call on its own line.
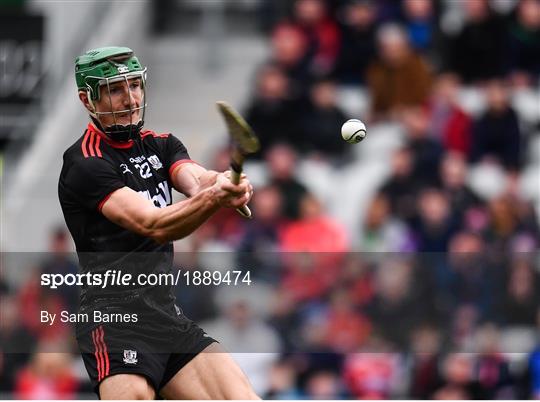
point(126, 386)
point(212, 374)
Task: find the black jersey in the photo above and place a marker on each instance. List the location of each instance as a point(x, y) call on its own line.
point(94, 167)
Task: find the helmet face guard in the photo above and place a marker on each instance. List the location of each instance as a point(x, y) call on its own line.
point(119, 132)
point(102, 67)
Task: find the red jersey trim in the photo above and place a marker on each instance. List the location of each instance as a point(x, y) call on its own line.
point(104, 200)
point(98, 151)
point(91, 144)
point(146, 133)
point(83, 145)
point(114, 144)
point(180, 162)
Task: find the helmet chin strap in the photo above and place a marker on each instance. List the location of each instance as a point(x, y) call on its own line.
point(118, 132)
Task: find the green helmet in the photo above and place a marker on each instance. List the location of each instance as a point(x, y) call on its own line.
point(93, 68)
point(103, 66)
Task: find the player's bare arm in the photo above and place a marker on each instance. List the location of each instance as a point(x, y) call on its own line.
point(191, 178)
point(128, 209)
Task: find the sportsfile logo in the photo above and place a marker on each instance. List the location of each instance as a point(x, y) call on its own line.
point(111, 277)
point(118, 277)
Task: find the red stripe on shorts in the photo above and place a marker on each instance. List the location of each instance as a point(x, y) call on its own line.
point(97, 354)
point(105, 353)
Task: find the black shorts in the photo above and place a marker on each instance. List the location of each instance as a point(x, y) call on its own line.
point(155, 349)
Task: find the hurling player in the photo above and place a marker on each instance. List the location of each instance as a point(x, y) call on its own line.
point(115, 190)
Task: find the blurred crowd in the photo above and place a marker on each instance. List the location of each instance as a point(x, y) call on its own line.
point(407, 54)
point(434, 293)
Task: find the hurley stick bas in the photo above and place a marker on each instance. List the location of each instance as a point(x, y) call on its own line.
point(244, 142)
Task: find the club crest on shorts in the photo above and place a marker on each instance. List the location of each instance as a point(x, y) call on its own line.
point(130, 356)
point(155, 162)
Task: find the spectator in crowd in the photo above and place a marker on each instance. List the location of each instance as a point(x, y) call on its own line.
point(272, 112)
point(421, 23)
point(458, 381)
point(321, 33)
point(520, 305)
point(259, 246)
point(263, 234)
point(321, 119)
point(426, 347)
point(426, 151)
point(450, 124)
point(492, 368)
point(496, 135)
point(507, 218)
point(300, 282)
point(399, 77)
point(282, 381)
point(242, 331)
point(401, 187)
point(290, 55)
point(382, 232)
point(315, 231)
point(357, 42)
point(371, 375)
point(357, 279)
point(281, 160)
point(523, 44)
point(435, 224)
point(323, 384)
point(464, 321)
point(476, 52)
point(16, 343)
point(49, 376)
point(310, 363)
point(59, 262)
point(346, 329)
point(471, 278)
point(285, 316)
point(323, 240)
point(453, 173)
point(524, 209)
point(395, 309)
point(34, 298)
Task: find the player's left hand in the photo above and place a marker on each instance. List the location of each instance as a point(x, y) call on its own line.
point(243, 178)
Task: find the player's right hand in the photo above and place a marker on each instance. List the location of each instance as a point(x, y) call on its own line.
point(231, 195)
